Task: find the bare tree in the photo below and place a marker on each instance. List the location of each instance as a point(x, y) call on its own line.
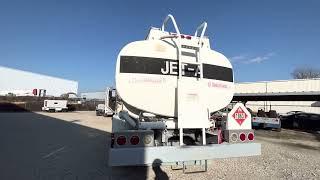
point(305, 73)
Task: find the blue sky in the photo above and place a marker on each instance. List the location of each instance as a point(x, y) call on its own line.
point(80, 39)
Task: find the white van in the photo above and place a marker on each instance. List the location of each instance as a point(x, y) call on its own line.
point(55, 105)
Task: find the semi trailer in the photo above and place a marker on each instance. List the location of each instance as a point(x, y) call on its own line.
point(108, 108)
point(168, 85)
point(109, 101)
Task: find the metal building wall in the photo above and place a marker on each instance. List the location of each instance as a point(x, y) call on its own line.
point(94, 95)
point(295, 85)
point(12, 79)
point(283, 107)
point(299, 85)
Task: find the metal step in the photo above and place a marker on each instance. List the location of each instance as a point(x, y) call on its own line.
point(186, 166)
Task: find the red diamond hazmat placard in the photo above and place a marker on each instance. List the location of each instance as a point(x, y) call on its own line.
point(239, 115)
point(239, 118)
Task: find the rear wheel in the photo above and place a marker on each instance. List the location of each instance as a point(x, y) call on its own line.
point(295, 124)
point(187, 140)
point(278, 129)
point(273, 114)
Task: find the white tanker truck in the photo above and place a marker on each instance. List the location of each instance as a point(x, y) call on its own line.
point(169, 85)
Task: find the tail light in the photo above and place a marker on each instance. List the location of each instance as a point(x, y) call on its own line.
point(134, 140)
point(242, 137)
point(35, 92)
point(185, 36)
point(250, 136)
point(121, 140)
point(234, 137)
point(147, 139)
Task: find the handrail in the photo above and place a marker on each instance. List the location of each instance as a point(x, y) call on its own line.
point(204, 27)
point(169, 36)
point(173, 22)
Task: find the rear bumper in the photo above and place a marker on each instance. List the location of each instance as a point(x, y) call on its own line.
point(266, 125)
point(99, 112)
point(53, 108)
point(171, 154)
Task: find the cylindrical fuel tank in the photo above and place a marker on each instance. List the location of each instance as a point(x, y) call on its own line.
point(147, 76)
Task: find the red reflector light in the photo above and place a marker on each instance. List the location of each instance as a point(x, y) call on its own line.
point(121, 140)
point(134, 140)
point(182, 36)
point(242, 137)
point(35, 92)
point(251, 136)
point(188, 37)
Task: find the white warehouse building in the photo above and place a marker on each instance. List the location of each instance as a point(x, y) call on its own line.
point(23, 83)
point(296, 86)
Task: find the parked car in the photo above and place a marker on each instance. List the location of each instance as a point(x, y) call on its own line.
point(301, 120)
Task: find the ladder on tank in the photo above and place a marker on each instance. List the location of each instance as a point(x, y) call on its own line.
point(185, 116)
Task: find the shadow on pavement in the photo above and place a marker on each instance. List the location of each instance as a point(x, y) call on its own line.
point(300, 145)
point(35, 146)
point(159, 173)
point(288, 134)
point(295, 145)
point(289, 139)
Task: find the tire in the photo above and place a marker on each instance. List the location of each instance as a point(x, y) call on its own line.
point(278, 129)
point(295, 124)
point(273, 114)
point(261, 113)
point(187, 140)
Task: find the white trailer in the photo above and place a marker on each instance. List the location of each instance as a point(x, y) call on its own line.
point(110, 95)
point(106, 109)
point(100, 109)
point(55, 105)
point(169, 84)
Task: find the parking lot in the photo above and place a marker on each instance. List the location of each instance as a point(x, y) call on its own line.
point(74, 145)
